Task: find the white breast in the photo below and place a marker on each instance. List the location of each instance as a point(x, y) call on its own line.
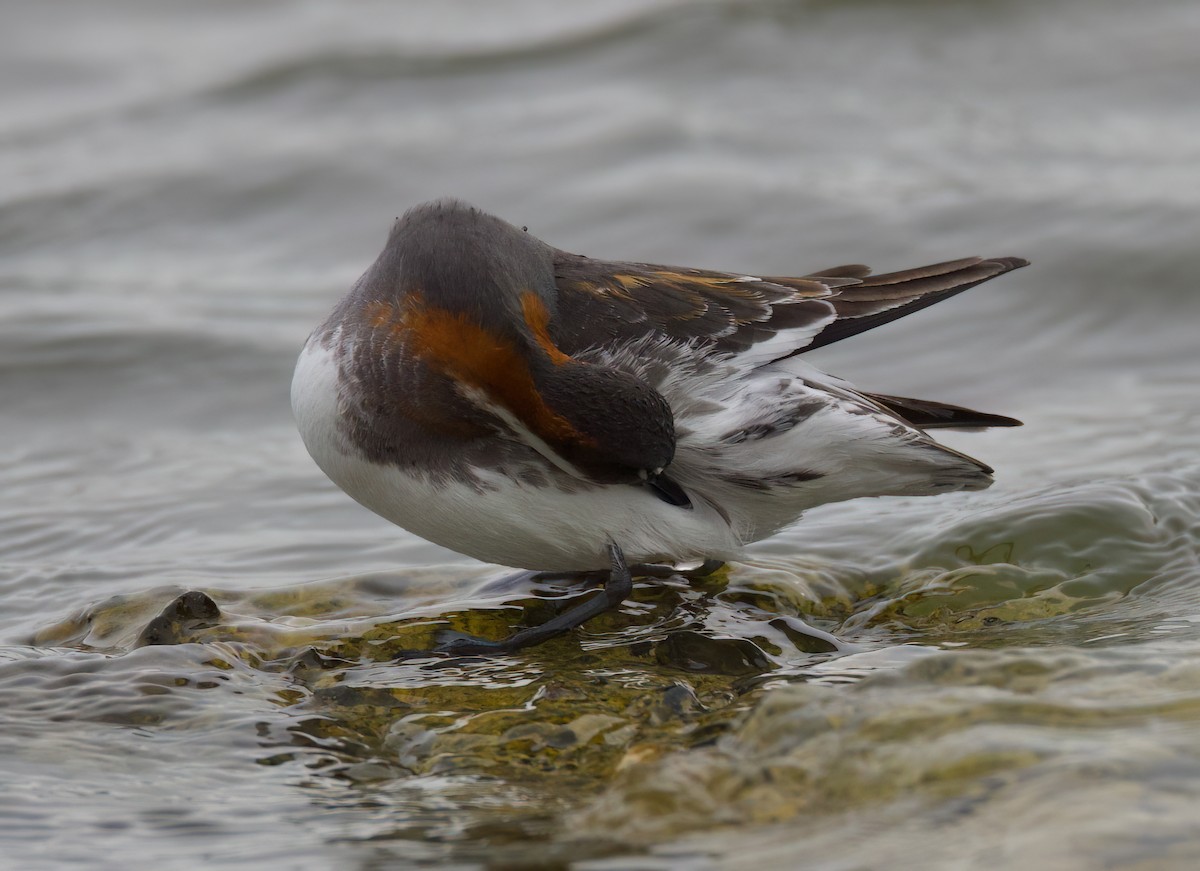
point(499, 519)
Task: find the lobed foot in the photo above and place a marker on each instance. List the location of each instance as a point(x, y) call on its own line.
point(617, 588)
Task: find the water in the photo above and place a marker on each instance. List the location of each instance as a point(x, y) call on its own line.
point(999, 680)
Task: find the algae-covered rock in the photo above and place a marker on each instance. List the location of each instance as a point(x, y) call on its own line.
point(179, 619)
point(720, 701)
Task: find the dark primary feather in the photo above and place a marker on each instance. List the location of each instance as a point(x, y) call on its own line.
point(600, 301)
point(927, 414)
point(880, 299)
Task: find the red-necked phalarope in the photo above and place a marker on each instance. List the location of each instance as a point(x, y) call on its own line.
point(539, 409)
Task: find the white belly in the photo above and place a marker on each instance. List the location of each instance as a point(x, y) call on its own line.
point(503, 521)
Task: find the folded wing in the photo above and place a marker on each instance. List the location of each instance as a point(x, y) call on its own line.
point(758, 319)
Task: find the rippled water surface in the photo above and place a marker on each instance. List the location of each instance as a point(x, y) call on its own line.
point(200, 634)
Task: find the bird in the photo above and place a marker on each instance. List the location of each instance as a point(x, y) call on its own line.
point(547, 411)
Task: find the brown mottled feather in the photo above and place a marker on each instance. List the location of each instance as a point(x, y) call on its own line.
point(601, 302)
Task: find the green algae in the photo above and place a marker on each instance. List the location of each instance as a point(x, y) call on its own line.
point(754, 696)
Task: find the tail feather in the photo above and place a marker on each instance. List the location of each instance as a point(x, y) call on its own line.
point(928, 414)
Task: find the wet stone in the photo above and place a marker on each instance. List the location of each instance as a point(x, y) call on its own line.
point(588, 726)
point(313, 660)
point(344, 696)
point(541, 735)
point(367, 772)
point(804, 637)
point(677, 702)
point(692, 651)
point(187, 613)
point(555, 691)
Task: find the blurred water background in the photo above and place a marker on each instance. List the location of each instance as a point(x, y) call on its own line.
point(1004, 680)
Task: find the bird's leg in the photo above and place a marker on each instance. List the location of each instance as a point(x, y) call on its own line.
point(617, 588)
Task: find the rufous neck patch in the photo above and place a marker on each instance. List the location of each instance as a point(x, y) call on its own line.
point(480, 359)
point(538, 321)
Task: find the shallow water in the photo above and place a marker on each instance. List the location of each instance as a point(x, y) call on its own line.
point(995, 680)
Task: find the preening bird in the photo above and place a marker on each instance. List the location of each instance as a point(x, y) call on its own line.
point(544, 410)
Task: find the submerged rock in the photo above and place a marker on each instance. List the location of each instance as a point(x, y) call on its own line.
point(185, 614)
point(693, 651)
